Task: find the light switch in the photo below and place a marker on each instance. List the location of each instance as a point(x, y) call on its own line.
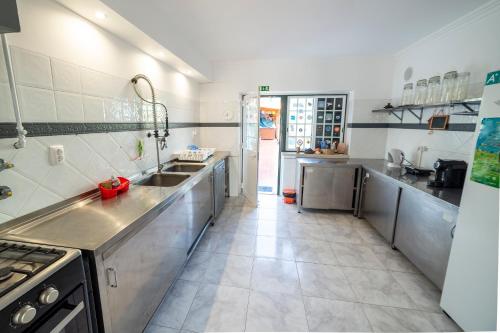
point(56, 154)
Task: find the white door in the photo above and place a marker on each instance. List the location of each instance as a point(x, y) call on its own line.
point(250, 146)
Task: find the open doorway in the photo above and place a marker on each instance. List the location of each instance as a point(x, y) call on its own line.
point(269, 147)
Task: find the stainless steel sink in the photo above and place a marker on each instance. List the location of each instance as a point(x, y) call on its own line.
point(163, 180)
point(185, 168)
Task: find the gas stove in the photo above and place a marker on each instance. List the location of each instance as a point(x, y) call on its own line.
point(42, 289)
point(20, 262)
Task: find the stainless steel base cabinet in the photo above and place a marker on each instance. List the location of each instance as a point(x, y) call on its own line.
point(328, 187)
point(424, 233)
point(135, 274)
point(379, 203)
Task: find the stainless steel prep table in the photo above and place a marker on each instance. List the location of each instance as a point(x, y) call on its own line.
point(134, 244)
point(416, 219)
point(99, 224)
point(449, 196)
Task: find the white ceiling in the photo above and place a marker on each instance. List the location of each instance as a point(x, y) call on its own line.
point(221, 30)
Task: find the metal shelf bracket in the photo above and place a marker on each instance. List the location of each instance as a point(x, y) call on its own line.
point(418, 116)
point(398, 116)
point(465, 105)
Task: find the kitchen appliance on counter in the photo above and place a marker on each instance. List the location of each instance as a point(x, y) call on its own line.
point(449, 173)
point(42, 289)
point(395, 158)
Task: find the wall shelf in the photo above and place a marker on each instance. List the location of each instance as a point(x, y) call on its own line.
point(418, 110)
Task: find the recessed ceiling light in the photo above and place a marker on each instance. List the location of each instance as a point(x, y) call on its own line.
point(100, 15)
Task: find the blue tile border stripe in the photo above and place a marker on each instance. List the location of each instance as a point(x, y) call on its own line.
point(451, 127)
point(8, 130)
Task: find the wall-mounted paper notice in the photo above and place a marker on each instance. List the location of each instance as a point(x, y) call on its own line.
point(486, 165)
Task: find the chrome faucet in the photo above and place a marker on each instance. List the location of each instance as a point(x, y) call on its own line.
point(161, 141)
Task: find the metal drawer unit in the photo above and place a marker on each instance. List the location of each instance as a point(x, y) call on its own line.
point(379, 203)
point(424, 233)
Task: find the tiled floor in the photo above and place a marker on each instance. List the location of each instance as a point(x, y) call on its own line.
point(272, 269)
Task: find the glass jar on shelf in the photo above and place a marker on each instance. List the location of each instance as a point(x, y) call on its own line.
point(433, 90)
point(420, 92)
point(462, 86)
point(407, 98)
point(449, 87)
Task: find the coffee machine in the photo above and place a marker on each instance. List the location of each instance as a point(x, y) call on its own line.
point(449, 173)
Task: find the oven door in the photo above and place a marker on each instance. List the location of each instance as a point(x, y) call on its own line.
point(69, 315)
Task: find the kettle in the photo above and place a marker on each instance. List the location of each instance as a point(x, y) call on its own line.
point(395, 158)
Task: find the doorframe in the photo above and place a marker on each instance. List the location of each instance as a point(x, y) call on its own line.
point(281, 142)
point(284, 105)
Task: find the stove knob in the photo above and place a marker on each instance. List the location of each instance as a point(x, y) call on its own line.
point(49, 295)
point(24, 315)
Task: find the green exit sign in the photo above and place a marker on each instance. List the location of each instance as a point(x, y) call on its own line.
point(263, 88)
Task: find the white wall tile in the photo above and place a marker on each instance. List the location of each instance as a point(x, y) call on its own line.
point(37, 105)
point(6, 107)
point(66, 182)
point(128, 142)
point(21, 187)
point(93, 109)
point(108, 149)
point(69, 107)
point(81, 157)
point(32, 161)
point(113, 111)
point(40, 198)
point(31, 69)
point(5, 218)
point(66, 76)
point(95, 83)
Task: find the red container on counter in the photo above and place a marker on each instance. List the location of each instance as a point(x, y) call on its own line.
point(107, 193)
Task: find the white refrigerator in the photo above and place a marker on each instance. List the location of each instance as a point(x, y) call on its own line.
point(470, 287)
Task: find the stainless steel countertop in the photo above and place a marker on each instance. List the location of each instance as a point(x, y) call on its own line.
point(96, 225)
point(450, 196)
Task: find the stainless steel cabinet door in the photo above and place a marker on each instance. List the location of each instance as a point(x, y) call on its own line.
point(219, 187)
point(141, 269)
point(328, 187)
point(380, 203)
point(200, 203)
point(342, 188)
point(424, 233)
point(317, 187)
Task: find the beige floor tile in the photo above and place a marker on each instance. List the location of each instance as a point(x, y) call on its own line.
point(324, 281)
point(272, 275)
point(377, 287)
point(335, 316)
point(218, 308)
point(274, 247)
point(275, 312)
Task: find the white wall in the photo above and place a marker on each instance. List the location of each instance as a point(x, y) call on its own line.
point(69, 70)
point(469, 44)
point(362, 77)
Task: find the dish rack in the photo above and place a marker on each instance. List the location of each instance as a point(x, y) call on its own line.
point(196, 155)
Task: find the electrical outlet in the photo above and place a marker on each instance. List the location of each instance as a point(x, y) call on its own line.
point(56, 154)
